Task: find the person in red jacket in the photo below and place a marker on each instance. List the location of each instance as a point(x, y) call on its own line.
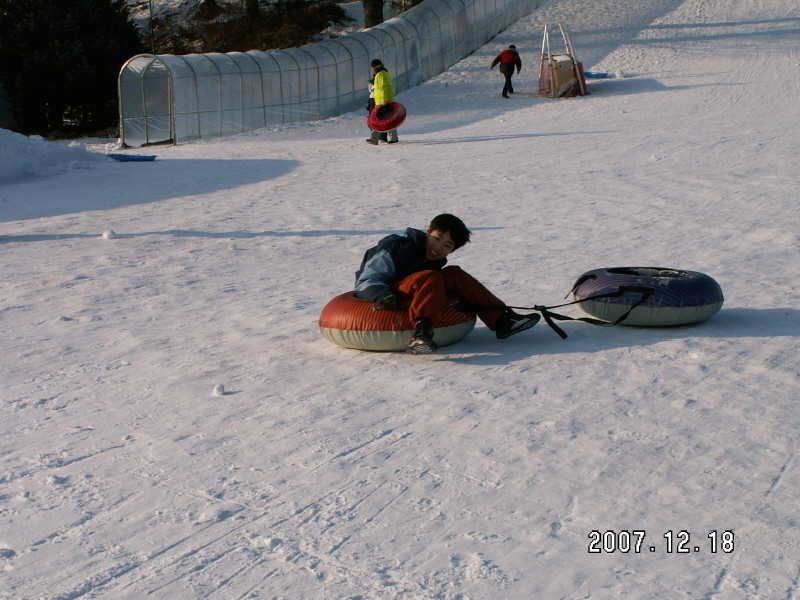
point(508, 59)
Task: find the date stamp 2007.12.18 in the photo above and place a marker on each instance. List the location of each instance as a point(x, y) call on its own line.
point(670, 542)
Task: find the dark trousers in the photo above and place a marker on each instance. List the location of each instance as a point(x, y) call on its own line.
point(508, 88)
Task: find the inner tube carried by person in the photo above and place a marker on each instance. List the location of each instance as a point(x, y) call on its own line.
point(648, 296)
point(387, 116)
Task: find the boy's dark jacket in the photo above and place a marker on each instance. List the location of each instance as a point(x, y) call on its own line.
point(392, 260)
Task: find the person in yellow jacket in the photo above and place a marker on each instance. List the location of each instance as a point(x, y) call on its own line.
point(384, 92)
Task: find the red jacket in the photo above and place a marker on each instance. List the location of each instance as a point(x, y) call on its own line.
point(508, 58)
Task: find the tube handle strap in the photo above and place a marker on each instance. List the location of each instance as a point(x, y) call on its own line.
point(550, 317)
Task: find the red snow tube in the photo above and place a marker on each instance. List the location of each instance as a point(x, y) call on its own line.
point(387, 116)
point(354, 323)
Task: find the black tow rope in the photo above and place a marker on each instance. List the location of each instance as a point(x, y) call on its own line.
point(550, 317)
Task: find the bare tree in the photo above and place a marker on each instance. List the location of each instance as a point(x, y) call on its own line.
point(251, 9)
point(209, 9)
point(373, 12)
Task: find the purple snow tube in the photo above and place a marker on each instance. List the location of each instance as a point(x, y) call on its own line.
point(671, 296)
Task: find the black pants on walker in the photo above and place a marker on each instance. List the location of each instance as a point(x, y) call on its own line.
point(508, 88)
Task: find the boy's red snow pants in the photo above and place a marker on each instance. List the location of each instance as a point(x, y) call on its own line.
point(427, 290)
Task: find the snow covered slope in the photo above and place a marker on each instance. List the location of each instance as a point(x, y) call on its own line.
point(478, 472)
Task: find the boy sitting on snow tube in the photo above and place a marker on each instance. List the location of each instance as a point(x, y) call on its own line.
point(407, 272)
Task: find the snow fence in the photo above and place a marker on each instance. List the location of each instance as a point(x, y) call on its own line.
point(174, 99)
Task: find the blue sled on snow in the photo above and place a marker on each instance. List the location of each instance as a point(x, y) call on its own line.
point(132, 157)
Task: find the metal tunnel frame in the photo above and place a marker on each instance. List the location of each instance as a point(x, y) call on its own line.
point(172, 99)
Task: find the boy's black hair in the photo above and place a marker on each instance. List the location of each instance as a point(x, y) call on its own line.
point(451, 224)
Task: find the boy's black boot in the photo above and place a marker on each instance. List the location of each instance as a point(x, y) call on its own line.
point(422, 341)
point(510, 323)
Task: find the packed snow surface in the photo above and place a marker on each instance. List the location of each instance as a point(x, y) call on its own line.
point(479, 472)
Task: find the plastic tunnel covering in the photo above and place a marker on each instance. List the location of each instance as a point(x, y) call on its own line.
point(174, 99)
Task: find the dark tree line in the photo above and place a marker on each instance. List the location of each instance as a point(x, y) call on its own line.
point(240, 26)
point(59, 61)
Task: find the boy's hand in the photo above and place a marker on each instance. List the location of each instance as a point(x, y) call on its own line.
point(391, 302)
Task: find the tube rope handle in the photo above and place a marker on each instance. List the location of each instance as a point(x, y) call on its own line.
point(549, 316)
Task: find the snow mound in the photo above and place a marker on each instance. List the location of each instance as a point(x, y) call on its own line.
point(23, 155)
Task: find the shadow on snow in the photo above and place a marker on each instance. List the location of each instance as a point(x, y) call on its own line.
point(114, 185)
point(585, 338)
